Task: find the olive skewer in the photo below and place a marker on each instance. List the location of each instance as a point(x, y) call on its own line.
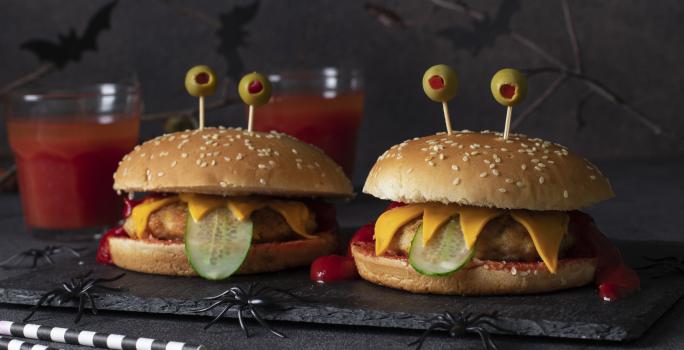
point(509, 87)
point(200, 81)
point(254, 90)
point(440, 84)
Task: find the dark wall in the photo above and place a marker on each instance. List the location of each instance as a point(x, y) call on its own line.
point(631, 51)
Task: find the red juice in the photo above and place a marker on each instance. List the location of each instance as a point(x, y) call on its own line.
point(330, 123)
point(65, 169)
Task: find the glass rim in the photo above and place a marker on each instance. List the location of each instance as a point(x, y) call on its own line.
point(314, 73)
point(74, 92)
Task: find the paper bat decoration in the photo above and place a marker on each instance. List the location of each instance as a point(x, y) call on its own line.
point(232, 36)
point(70, 47)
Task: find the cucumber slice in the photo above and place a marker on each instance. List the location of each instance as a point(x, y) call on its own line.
point(444, 254)
point(217, 244)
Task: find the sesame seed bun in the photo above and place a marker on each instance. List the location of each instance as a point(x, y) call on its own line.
point(226, 161)
point(485, 278)
point(168, 257)
point(483, 169)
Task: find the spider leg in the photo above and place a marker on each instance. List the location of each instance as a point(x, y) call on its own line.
point(35, 261)
point(419, 342)
point(208, 307)
point(268, 289)
point(217, 318)
point(8, 260)
point(218, 296)
point(79, 314)
point(48, 259)
point(93, 308)
point(43, 299)
point(72, 251)
point(242, 322)
point(110, 279)
point(487, 341)
point(264, 324)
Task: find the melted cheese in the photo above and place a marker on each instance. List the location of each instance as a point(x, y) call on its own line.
point(547, 230)
point(141, 212)
point(434, 216)
point(473, 220)
point(296, 214)
point(390, 222)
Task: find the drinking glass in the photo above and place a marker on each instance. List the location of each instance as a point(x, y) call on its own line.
point(322, 107)
point(67, 144)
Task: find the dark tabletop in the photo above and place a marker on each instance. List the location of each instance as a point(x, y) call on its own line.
point(649, 202)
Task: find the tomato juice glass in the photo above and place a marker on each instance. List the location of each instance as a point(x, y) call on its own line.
point(321, 107)
point(67, 144)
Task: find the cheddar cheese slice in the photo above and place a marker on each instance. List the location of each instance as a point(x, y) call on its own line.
point(392, 220)
point(141, 212)
point(547, 230)
point(200, 204)
point(434, 216)
point(473, 220)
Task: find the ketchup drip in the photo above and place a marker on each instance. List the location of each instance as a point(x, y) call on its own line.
point(104, 256)
point(613, 278)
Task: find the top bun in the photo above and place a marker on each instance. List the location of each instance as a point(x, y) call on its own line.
point(224, 161)
point(483, 169)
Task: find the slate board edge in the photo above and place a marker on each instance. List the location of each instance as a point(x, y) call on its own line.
point(313, 315)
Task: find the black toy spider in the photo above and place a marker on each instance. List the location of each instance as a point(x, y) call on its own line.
point(44, 253)
point(459, 325)
point(76, 289)
point(667, 264)
point(249, 301)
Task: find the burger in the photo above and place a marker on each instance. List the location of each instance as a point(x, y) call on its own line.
point(476, 214)
point(220, 201)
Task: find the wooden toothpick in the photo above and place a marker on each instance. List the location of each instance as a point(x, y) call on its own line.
point(507, 127)
point(250, 121)
point(447, 119)
point(201, 112)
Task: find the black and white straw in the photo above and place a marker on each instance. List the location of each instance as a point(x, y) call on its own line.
point(16, 344)
point(89, 338)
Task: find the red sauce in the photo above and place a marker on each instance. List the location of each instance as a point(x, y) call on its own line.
point(332, 268)
point(613, 278)
point(104, 256)
point(507, 91)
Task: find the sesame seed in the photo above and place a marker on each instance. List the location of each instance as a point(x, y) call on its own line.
point(227, 159)
point(223, 184)
point(565, 194)
point(431, 163)
point(495, 172)
point(456, 181)
point(487, 161)
point(213, 162)
point(295, 151)
point(492, 166)
point(541, 180)
point(519, 184)
point(173, 164)
point(592, 177)
point(441, 156)
point(537, 168)
point(160, 174)
point(504, 149)
point(509, 180)
point(483, 174)
point(534, 160)
point(541, 165)
point(261, 166)
point(262, 181)
point(502, 190)
point(465, 158)
point(409, 170)
point(454, 167)
point(239, 156)
point(523, 166)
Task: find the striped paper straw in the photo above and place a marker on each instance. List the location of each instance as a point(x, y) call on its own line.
point(89, 338)
point(16, 344)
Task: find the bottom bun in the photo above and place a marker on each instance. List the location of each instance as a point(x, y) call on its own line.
point(480, 278)
point(168, 258)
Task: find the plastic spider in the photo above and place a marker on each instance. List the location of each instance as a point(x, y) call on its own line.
point(249, 301)
point(459, 325)
point(44, 253)
point(77, 289)
point(667, 264)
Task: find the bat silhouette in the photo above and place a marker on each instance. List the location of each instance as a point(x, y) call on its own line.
point(71, 46)
point(232, 35)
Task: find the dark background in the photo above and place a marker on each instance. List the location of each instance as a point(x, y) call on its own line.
point(630, 51)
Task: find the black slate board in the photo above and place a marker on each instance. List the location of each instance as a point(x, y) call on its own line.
point(576, 314)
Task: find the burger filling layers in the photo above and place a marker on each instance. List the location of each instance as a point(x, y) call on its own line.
point(273, 220)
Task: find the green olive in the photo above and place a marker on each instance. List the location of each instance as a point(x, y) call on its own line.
point(509, 86)
point(254, 89)
point(200, 81)
point(440, 83)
